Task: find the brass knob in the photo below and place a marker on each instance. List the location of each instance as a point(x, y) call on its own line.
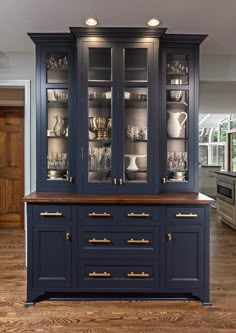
point(68, 236)
point(114, 181)
point(169, 237)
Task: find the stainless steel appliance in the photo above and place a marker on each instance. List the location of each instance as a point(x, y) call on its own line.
point(226, 189)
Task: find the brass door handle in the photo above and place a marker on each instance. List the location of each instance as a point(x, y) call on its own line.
point(121, 181)
point(138, 215)
point(99, 214)
point(51, 214)
point(138, 241)
point(104, 274)
point(140, 275)
point(68, 236)
point(101, 241)
point(114, 181)
point(169, 237)
point(186, 215)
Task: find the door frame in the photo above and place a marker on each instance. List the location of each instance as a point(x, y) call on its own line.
point(25, 84)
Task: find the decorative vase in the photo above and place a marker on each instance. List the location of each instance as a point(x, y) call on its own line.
point(60, 126)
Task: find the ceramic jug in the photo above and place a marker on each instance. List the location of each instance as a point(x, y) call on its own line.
point(174, 127)
point(60, 126)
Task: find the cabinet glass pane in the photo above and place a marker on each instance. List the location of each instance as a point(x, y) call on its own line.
point(177, 69)
point(99, 134)
point(57, 134)
point(57, 68)
point(100, 64)
point(136, 64)
point(136, 134)
point(177, 102)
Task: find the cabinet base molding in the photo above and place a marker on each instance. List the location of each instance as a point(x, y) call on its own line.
point(87, 296)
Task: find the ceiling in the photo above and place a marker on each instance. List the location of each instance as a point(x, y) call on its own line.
point(213, 17)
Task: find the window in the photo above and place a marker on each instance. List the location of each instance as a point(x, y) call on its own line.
point(213, 140)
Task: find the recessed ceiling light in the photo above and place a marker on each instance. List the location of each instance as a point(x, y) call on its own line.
point(91, 22)
point(153, 22)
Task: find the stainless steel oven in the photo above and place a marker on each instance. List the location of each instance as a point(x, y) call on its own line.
point(226, 189)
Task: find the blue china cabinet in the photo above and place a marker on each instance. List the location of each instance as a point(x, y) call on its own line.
point(117, 213)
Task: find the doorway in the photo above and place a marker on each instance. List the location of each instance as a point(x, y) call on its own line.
point(16, 93)
point(11, 166)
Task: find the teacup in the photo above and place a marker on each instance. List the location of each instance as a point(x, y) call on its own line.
point(179, 174)
point(52, 174)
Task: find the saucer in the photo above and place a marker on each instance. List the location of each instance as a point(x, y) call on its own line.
point(180, 179)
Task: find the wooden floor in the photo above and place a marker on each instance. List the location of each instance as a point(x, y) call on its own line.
point(125, 316)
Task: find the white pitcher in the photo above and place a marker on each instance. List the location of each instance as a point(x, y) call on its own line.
point(174, 127)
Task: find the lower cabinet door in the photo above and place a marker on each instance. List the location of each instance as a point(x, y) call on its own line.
point(51, 256)
point(184, 257)
point(118, 275)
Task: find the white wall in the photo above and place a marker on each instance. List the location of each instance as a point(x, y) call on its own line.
point(217, 97)
point(21, 66)
point(217, 68)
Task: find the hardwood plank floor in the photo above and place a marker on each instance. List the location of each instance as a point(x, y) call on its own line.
point(119, 316)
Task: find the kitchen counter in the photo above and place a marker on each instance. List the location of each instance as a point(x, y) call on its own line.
point(164, 198)
point(227, 173)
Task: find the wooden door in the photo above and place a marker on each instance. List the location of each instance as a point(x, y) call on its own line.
point(11, 166)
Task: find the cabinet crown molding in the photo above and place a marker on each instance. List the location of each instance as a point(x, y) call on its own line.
point(118, 32)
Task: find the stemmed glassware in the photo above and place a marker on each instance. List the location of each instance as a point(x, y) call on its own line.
point(177, 161)
point(99, 158)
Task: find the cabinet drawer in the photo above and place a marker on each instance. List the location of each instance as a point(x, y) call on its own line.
point(58, 213)
point(140, 213)
point(118, 214)
point(128, 242)
point(118, 275)
point(98, 214)
point(194, 215)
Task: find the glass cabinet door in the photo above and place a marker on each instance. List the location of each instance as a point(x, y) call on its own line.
point(56, 104)
point(179, 119)
point(100, 101)
point(117, 153)
point(57, 134)
point(136, 110)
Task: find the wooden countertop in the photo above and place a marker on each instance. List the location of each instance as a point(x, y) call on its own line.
point(164, 198)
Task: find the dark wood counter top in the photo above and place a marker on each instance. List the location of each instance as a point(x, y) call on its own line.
point(164, 198)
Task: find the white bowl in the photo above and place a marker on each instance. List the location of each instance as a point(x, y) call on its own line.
point(127, 95)
point(108, 94)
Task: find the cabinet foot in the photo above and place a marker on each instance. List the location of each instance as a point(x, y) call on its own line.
point(28, 304)
point(206, 303)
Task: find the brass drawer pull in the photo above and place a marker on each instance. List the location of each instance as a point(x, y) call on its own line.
point(138, 215)
point(138, 241)
point(169, 237)
point(51, 214)
point(104, 274)
point(186, 215)
point(101, 241)
point(99, 214)
point(134, 275)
